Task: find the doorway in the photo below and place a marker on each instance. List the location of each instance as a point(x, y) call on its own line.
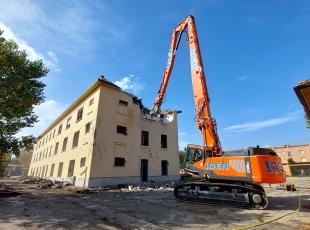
point(144, 170)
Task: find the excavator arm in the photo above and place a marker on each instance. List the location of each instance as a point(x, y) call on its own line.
point(205, 122)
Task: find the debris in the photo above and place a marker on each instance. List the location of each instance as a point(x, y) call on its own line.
point(46, 183)
point(148, 187)
point(6, 190)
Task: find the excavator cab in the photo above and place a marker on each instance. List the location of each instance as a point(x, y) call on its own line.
point(194, 153)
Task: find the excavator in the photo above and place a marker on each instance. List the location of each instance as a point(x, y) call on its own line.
point(216, 176)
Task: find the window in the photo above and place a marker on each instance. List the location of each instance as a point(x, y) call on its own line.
point(50, 152)
point(121, 129)
point(123, 103)
point(61, 164)
point(163, 141)
point(54, 133)
point(82, 162)
point(75, 139)
point(118, 161)
point(59, 129)
point(79, 115)
point(289, 153)
point(56, 148)
point(68, 123)
point(303, 159)
point(301, 151)
point(164, 168)
point(50, 137)
point(87, 127)
point(71, 168)
point(64, 144)
point(144, 138)
point(91, 101)
point(46, 168)
point(52, 170)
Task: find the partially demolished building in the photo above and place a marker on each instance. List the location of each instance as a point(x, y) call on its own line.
point(107, 137)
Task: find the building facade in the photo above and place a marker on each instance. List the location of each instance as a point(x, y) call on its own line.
point(107, 137)
point(298, 153)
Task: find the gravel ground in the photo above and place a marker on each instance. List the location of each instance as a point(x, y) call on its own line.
point(154, 209)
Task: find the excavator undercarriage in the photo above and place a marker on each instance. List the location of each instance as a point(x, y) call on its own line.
point(228, 193)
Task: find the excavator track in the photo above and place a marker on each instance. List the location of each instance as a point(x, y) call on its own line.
point(246, 195)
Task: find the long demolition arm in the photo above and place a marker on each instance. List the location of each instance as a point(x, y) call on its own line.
point(205, 122)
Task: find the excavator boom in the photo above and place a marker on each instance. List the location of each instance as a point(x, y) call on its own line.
point(205, 122)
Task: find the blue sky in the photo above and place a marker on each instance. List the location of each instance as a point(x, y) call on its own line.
point(254, 52)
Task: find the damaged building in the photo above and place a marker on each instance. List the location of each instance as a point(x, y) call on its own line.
point(108, 137)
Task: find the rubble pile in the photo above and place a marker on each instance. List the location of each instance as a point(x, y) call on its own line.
point(45, 183)
point(149, 186)
point(7, 190)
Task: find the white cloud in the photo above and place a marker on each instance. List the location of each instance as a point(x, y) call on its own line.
point(244, 78)
point(256, 125)
point(130, 83)
point(50, 60)
point(66, 27)
point(182, 134)
point(47, 113)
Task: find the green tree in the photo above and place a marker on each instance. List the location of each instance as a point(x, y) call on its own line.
point(290, 161)
point(181, 157)
point(20, 90)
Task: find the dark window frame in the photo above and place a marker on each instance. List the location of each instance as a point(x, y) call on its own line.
point(59, 172)
point(59, 129)
point(76, 137)
point(71, 168)
point(87, 127)
point(56, 148)
point(164, 167)
point(121, 129)
point(123, 103)
point(145, 138)
point(68, 124)
point(119, 161)
point(91, 101)
point(64, 145)
point(52, 170)
point(79, 114)
point(163, 141)
point(82, 162)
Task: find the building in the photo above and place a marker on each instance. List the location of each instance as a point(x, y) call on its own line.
point(298, 153)
point(108, 137)
point(300, 156)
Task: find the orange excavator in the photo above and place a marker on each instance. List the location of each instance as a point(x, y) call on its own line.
point(217, 176)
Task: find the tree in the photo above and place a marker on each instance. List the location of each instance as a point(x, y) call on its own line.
point(181, 157)
point(20, 90)
point(290, 161)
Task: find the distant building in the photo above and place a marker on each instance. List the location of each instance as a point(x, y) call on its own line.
point(298, 153)
point(107, 137)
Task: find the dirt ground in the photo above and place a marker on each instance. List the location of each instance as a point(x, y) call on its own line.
point(61, 209)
